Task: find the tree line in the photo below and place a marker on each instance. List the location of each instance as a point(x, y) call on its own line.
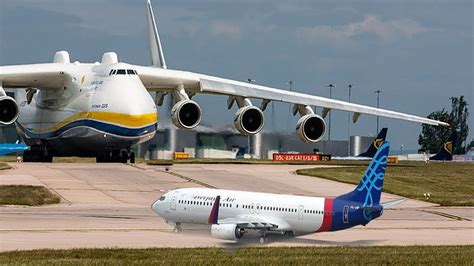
point(431, 137)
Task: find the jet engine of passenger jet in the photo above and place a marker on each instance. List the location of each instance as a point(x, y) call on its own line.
point(249, 120)
point(227, 231)
point(311, 128)
point(8, 110)
point(186, 114)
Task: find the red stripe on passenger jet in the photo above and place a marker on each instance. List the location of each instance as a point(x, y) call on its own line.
point(327, 218)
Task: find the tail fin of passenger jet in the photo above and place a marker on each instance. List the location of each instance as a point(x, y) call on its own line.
point(156, 50)
point(446, 151)
point(370, 187)
point(370, 152)
point(214, 215)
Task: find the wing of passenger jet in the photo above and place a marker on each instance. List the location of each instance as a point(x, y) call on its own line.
point(41, 76)
point(157, 79)
point(256, 222)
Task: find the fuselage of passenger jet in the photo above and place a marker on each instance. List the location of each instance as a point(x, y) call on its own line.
point(232, 214)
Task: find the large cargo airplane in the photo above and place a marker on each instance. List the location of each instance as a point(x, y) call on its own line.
point(232, 214)
point(101, 109)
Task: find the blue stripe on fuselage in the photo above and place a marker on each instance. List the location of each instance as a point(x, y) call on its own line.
point(101, 126)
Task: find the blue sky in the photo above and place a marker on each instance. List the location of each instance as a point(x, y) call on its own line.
point(419, 53)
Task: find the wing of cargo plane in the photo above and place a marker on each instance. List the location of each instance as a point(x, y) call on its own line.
point(156, 79)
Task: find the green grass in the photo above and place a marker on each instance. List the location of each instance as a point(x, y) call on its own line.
point(409, 255)
point(4, 166)
point(26, 195)
point(449, 184)
point(8, 159)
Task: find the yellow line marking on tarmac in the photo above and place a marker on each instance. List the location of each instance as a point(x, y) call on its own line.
point(447, 215)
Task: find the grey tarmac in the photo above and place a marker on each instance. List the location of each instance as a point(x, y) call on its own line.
point(108, 205)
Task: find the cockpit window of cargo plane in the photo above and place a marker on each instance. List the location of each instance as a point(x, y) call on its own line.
point(123, 72)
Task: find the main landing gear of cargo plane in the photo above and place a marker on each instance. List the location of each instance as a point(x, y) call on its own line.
point(38, 154)
point(116, 156)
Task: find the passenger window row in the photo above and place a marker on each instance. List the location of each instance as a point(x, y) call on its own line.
point(229, 205)
point(278, 209)
point(318, 212)
point(122, 72)
point(193, 202)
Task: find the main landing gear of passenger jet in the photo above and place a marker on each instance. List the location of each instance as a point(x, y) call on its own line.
point(263, 237)
point(116, 156)
point(263, 240)
point(38, 154)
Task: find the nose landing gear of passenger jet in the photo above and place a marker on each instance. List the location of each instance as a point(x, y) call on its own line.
point(177, 228)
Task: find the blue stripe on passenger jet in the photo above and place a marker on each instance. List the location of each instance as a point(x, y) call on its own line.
point(101, 126)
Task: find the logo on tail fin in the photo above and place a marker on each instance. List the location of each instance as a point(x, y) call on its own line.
point(377, 143)
point(448, 146)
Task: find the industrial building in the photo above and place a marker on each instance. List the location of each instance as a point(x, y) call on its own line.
point(226, 142)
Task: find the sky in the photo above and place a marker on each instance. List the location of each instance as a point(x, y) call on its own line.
point(418, 53)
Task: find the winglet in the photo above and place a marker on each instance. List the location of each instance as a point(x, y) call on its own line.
point(214, 215)
point(156, 50)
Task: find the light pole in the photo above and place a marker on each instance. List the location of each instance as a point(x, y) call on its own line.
point(290, 84)
point(330, 86)
point(378, 105)
point(349, 124)
point(401, 149)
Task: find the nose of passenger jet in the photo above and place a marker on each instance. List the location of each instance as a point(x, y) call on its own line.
point(158, 205)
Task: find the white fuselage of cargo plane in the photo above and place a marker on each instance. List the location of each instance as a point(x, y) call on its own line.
point(101, 105)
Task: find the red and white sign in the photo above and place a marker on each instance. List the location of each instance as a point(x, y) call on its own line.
point(300, 157)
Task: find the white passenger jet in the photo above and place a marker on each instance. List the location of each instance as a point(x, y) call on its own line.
point(101, 109)
point(232, 214)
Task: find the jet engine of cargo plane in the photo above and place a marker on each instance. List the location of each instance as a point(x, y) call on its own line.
point(186, 114)
point(311, 128)
point(8, 110)
point(249, 120)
